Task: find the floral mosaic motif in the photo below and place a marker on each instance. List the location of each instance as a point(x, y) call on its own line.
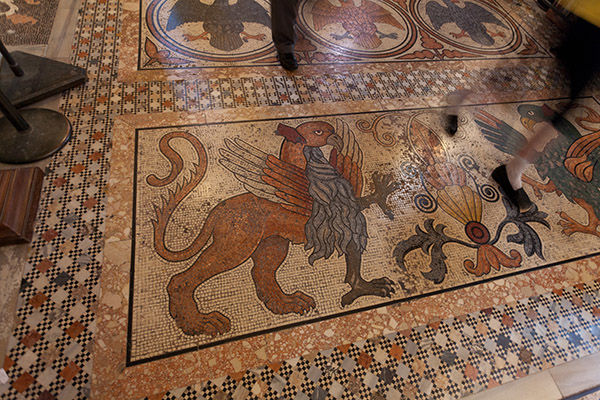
point(162, 57)
point(343, 32)
point(383, 128)
point(451, 187)
point(432, 239)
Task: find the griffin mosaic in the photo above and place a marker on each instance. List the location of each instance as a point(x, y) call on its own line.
point(232, 218)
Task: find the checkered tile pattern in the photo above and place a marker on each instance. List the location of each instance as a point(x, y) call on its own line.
point(447, 359)
point(227, 93)
point(50, 349)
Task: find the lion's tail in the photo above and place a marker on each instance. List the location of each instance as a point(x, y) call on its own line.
point(165, 210)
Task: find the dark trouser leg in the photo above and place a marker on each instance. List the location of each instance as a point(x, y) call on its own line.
point(580, 55)
point(283, 22)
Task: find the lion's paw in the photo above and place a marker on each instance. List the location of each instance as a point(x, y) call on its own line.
point(193, 323)
point(281, 303)
point(381, 287)
point(211, 324)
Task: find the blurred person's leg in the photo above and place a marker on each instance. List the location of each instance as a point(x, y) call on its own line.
point(283, 22)
point(580, 55)
point(454, 101)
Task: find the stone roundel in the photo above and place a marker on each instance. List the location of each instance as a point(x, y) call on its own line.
point(479, 27)
point(231, 41)
point(361, 28)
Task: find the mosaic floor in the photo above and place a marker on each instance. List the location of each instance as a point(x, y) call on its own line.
point(26, 22)
point(245, 185)
point(174, 35)
point(178, 228)
point(444, 360)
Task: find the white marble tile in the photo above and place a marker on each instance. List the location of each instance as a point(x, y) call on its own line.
point(577, 376)
point(63, 30)
point(534, 387)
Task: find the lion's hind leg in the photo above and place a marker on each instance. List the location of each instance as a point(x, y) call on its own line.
point(268, 257)
point(217, 258)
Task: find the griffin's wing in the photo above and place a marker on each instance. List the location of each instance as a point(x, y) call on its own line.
point(380, 14)
point(504, 137)
point(267, 176)
point(583, 155)
point(350, 160)
point(481, 15)
point(186, 11)
point(438, 14)
point(251, 11)
point(324, 13)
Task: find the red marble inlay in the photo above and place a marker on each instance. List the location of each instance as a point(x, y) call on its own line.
point(49, 235)
point(38, 299)
point(70, 371)
point(23, 382)
point(44, 265)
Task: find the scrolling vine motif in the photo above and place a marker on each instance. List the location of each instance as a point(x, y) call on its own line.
point(383, 128)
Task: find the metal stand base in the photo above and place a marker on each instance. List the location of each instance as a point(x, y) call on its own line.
point(43, 78)
point(49, 131)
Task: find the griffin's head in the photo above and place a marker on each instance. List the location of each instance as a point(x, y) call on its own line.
point(531, 114)
point(311, 134)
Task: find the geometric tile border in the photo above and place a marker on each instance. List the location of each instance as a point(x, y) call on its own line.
point(418, 83)
point(444, 360)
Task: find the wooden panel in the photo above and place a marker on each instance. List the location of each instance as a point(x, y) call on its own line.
point(19, 197)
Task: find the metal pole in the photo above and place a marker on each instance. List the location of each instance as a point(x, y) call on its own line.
point(16, 68)
point(11, 113)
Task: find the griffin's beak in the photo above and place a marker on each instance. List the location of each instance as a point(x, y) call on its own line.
point(336, 141)
point(528, 123)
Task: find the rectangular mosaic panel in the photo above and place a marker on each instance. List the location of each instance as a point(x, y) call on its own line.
point(187, 34)
point(242, 228)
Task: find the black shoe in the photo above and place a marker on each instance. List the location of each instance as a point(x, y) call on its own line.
point(451, 124)
point(288, 61)
point(517, 197)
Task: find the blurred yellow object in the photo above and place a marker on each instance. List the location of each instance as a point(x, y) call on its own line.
point(586, 9)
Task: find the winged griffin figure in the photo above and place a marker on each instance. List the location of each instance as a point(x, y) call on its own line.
point(297, 197)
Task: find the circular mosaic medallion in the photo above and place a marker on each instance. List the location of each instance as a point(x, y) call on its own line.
point(219, 31)
point(475, 26)
point(362, 28)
